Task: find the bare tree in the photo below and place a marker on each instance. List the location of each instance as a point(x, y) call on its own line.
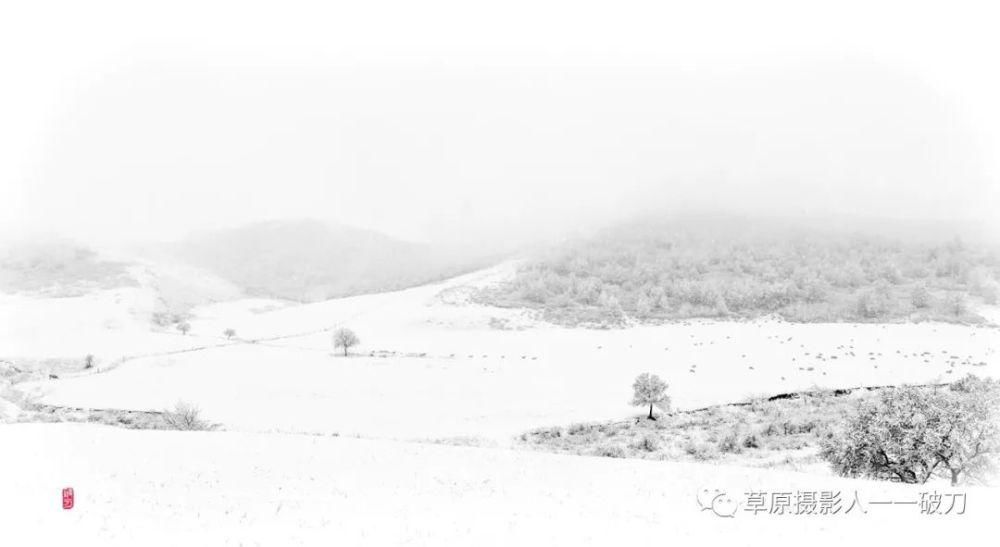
point(184, 327)
point(650, 390)
point(345, 338)
point(186, 417)
point(229, 333)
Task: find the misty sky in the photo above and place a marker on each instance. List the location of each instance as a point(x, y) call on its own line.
point(446, 122)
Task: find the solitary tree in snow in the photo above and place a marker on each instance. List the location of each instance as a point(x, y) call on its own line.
point(229, 333)
point(345, 338)
point(184, 327)
point(650, 390)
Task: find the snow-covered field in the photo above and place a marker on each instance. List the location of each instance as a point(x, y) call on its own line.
point(431, 365)
point(226, 488)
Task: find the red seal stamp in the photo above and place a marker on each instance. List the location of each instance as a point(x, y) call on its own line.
point(68, 498)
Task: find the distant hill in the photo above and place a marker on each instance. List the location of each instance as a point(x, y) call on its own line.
point(308, 261)
point(662, 270)
point(58, 267)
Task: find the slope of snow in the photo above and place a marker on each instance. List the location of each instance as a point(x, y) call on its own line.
point(175, 488)
point(110, 324)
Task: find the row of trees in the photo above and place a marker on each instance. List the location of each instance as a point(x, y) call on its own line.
point(343, 338)
point(650, 274)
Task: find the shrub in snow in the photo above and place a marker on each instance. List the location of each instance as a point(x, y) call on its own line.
point(875, 303)
point(185, 417)
point(611, 451)
point(911, 434)
point(920, 297)
point(648, 443)
point(549, 432)
point(990, 293)
point(699, 451)
point(731, 444)
point(956, 304)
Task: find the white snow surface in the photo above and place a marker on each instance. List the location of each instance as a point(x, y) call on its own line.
point(226, 488)
point(432, 366)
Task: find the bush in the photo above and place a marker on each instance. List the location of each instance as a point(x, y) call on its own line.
point(793, 428)
point(990, 293)
point(920, 297)
point(773, 430)
point(185, 417)
point(554, 432)
point(699, 451)
point(910, 434)
point(730, 444)
point(956, 304)
point(611, 451)
point(648, 443)
point(874, 303)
